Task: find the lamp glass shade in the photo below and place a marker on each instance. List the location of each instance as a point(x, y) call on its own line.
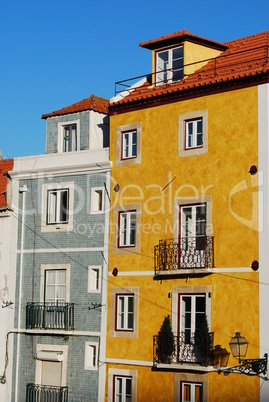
point(239, 346)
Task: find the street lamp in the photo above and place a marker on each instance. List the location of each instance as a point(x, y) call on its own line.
point(239, 346)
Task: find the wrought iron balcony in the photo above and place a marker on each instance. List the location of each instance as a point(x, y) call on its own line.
point(46, 393)
point(187, 348)
point(186, 253)
point(50, 316)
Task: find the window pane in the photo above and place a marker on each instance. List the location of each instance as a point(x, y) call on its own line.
point(66, 139)
point(52, 202)
point(199, 133)
point(198, 393)
point(134, 144)
point(74, 138)
point(63, 206)
point(125, 145)
point(187, 392)
point(118, 390)
point(130, 312)
point(132, 228)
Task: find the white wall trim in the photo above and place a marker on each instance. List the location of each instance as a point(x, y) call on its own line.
point(129, 362)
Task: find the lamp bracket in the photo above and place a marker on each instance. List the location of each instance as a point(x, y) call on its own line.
point(248, 367)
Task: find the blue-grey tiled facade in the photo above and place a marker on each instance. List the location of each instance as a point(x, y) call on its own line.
point(40, 245)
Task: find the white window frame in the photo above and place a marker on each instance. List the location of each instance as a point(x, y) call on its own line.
point(123, 395)
point(68, 226)
point(123, 313)
point(55, 267)
point(61, 134)
point(91, 356)
point(183, 119)
point(97, 200)
point(128, 128)
point(117, 247)
point(187, 291)
point(199, 379)
point(94, 279)
point(164, 73)
point(56, 285)
point(192, 386)
point(193, 137)
point(57, 206)
point(113, 373)
point(124, 333)
point(129, 144)
point(126, 230)
point(193, 313)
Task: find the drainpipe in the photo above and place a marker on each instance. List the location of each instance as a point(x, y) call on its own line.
point(22, 190)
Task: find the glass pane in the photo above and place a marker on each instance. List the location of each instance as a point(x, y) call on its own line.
point(162, 65)
point(74, 138)
point(187, 392)
point(130, 312)
point(50, 277)
point(118, 396)
point(134, 144)
point(123, 229)
point(126, 145)
point(52, 202)
point(132, 228)
point(198, 393)
point(200, 304)
point(199, 133)
point(63, 206)
point(66, 139)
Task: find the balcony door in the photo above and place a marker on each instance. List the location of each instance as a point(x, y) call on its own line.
point(192, 310)
point(192, 236)
point(55, 298)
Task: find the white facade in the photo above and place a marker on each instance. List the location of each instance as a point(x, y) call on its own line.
point(8, 233)
point(263, 153)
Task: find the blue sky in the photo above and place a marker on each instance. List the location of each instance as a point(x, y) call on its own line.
point(58, 52)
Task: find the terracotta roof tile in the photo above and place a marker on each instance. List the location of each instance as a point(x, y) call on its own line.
point(92, 103)
point(243, 58)
point(180, 36)
point(6, 165)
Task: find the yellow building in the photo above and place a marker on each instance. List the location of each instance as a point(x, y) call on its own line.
point(184, 232)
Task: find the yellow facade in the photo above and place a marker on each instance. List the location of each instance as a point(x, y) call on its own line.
point(158, 183)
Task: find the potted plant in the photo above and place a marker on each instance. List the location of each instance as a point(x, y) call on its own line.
point(165, 342)
point(204, 341)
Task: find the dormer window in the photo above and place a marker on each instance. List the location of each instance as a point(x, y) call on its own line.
point(169, 65)
point(70, 138)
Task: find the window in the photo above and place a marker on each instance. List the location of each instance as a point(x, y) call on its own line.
point(129, 144)
point(91, 356)
point(192, 313)
point(190, 306)
point(122, 389)
point(70, 138)
point(191, 392)
point(194, 133)
point(193, 236)
point(169, 65)
point(122, 385)
point(125, 312)
point(127, 228)
point(97, 200)
point(57, 206)
point(55, 285)
point(94, 279)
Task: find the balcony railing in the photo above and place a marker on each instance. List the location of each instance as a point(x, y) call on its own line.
point(50, 316)
point(187, 253)
point(187, 348)
point(46, 393)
